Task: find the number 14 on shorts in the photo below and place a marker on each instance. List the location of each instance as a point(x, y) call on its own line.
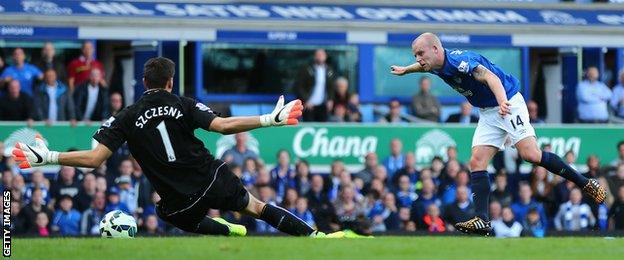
point(517, 122)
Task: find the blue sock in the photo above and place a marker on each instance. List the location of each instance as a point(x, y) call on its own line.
point(480, 181)
point(554, 164)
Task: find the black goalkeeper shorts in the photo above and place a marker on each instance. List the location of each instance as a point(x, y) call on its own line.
point(225, 192)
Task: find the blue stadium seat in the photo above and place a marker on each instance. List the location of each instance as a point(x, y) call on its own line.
point(245, 109)
point(367, 113)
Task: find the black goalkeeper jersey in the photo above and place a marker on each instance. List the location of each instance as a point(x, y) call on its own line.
point(159, 129)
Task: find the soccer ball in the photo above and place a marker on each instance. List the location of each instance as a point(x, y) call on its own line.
point(117, 224)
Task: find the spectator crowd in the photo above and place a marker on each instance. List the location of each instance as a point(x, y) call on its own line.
point(389, 194)
point(50, 90)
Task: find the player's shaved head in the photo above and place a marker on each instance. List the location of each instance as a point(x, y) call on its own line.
point(428, 51)
point(430, 39)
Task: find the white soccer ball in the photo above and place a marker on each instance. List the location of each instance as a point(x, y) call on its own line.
point(117, 224)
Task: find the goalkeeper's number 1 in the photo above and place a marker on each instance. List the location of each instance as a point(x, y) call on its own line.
point(162, 128)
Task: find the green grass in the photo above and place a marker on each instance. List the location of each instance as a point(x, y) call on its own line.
point(327, 249)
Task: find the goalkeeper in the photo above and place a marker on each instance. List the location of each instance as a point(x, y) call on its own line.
point(159, 129)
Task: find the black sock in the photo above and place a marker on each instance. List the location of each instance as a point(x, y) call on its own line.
point(285, 221)
point(480, 181)
point(554, 164)
point(209, 226)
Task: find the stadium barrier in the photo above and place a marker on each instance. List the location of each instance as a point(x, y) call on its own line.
point(320, 144)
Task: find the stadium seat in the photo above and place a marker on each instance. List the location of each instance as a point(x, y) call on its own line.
point(367, 113)
point(245, 109)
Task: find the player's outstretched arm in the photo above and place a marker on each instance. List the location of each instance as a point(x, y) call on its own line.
point(485, 76)
point(281, 115)
point(39, 155)
point(402, 70)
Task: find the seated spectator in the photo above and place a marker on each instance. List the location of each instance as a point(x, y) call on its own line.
point(574, 215)
point(341, 94)
point(18, 224)
point(507, 226)
point(532, 225)
point(127, 194)
point(312, 87)
point(87, 192)
point(460, 210)
point(348, 207)
point(66, 219)
point(617, 180)
point(391, 212)
point(91, 217)
point(116, 104)
point(302, 177)
point(101, 185)
point(542, 189)
point(593, 96)
point(616, 213)
point(266, 194)
point(617, 100)
point(353, 109)
point(394, 116)
point(620, 158)
point(339, 114)
point(424, 104)
point(405, 195)
point(376, 210)
point(240, 151)
point(500, 193)
point(151, 227)
point(290, 199)
point(370, 164)
point(42, 226)
point(525, 203)
point(432, 220)
point(320, 206)
point(534, 113)
point(30, 211)
point(449, 176)
point(79, 69)
point(302, 212)
point(409, 170)
point(22, 71)
point(114, 202)
point(37, 180)
point(396, 160)
point(49, 60)
point(250, 173)
point(461, 180)
point(66, 184)
point(427, 197)
point(16, 105)
point(496, 210)
point(53, 101)
point(282, 176)
point(91, 99)
point(593, 167)
point(465, 116)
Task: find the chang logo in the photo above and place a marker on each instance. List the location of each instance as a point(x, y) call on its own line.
point(25, 135)
point(432, 143)
point(227, 141)
point(558, 17)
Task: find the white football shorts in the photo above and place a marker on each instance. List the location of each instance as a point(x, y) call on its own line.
point(497, 131)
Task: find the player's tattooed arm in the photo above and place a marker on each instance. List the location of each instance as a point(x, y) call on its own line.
point(485, 76)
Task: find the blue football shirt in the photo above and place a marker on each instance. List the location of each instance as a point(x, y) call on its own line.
point(457, 72)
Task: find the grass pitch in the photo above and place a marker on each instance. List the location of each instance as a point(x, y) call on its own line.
point(327, 249)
